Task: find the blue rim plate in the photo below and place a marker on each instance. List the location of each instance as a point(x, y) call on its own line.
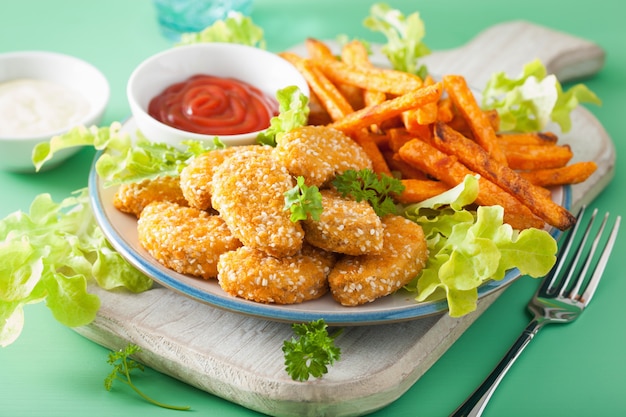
point(121, 231)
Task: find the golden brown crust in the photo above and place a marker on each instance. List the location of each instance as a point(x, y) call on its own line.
point(184, 239)
point(196, 178)
point(249, 193)
point(345, 226)
point(254, 275)
point(319, 153)
point(356, 280)
point(133, 197)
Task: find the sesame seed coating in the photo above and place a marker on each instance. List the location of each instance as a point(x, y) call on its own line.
point(345, 226)
point(248, 192)
point(196, 177)
point(254, 275)
point(133, 197)
point(226, 218)
point(356, 280)
point(184, 239)
point(319, 153)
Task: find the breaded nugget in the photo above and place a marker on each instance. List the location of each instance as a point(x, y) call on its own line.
point(319, 153)
point(184, 239)
point(248, 192)
point(356, 280)
point(345, 226)
point(254, 275)
point(133, 197)
point(196, 177)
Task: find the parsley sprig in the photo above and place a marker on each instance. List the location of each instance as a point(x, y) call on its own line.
point(303, 201)
point(311, 351)
point(367, 185)
point(123, 365)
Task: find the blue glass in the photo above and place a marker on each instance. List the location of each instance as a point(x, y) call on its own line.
point(179, 16)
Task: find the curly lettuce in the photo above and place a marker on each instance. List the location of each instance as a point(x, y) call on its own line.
point(404, 35)
point(123, 159)
point(468, 248)
point(50, 254)
point(293, 112)
point(528, 103)
point(236, 28)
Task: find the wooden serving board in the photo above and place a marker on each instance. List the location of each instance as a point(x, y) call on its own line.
point(239, 358)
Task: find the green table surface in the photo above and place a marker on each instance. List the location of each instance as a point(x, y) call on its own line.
point(573, 370)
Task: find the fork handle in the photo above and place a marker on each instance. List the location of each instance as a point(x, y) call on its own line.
point(476, 403)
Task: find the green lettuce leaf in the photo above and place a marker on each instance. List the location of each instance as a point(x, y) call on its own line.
point(293, 112)
point(50, 254)
point(123, 159)
point(404, 35)
point(468, 248)
point(236, 28)
point(529, 102)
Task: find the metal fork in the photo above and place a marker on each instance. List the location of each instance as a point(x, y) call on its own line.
point(558, 300)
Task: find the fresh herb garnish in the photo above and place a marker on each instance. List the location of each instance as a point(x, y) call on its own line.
point(303, 201)
point(367, 185)
point(312, 351)
point(123, 365)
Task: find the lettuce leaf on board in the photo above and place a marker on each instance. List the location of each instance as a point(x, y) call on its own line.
point(468, 248)
point(528, 103)
point(50, 254)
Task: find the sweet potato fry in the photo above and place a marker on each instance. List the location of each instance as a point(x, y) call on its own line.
point(416, 190)
point(318, 49)
point(478, 160)
point(531, 138)
point(444, 110)
point(531, 157)
point(377, 79)
point(355, 54)
point(368, 143)
point(317, 113)
point(422, 116)
point(494, 119)
point(329, 96)
point(406, 171)
point(570, 174)
point(373, 115)
point(400, 136)
point(478, 121)
point(427, 114)
point(448, 169)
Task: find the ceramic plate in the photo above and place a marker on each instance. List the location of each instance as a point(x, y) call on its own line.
point(121, 230)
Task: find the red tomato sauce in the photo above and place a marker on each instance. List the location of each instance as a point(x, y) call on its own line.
point(213, 105)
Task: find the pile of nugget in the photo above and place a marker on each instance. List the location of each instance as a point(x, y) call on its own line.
point(224, 218)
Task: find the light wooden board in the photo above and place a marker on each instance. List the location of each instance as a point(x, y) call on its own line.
point(239, 358)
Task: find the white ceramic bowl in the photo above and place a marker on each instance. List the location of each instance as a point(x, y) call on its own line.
point(68, 71)
point(262, 69)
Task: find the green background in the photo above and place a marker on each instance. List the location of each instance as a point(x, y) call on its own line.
point(577, 370)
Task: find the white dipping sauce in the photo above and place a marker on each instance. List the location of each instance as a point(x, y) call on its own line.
point(30, 107)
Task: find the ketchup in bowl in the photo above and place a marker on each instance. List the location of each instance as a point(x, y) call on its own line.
point(213, 105)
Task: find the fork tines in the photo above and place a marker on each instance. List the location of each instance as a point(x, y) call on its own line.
point(559, 280)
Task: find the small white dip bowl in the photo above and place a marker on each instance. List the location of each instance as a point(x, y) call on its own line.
point(69, 73)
